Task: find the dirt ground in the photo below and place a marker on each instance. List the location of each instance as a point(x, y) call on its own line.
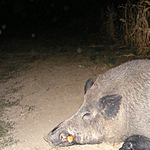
point(50, 89)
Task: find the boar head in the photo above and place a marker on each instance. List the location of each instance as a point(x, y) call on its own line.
point(87, 125)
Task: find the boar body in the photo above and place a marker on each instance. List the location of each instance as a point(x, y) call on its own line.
point(116, 106)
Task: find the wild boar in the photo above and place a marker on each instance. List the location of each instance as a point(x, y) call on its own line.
point(116, 106)
point(136, 142)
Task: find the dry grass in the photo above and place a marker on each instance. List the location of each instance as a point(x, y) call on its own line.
point(136, 26)
point(108, 28)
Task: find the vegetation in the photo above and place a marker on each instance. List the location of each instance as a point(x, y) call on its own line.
point(11, 69)
point(136, 28)
point(5, 138)
point(129, 26)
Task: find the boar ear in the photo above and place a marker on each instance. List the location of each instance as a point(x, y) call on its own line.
point(88, 84)
point(110, 105)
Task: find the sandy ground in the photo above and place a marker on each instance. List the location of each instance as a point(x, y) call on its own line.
point(51, 89)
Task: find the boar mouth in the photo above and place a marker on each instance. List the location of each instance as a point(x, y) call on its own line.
point(64, 139)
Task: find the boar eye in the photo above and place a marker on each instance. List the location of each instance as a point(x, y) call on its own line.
point(86, 115)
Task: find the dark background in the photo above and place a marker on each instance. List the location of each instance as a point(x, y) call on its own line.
point(73, 16)
point(57, 21)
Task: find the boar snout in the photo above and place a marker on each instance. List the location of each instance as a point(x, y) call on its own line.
point(60, 137)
